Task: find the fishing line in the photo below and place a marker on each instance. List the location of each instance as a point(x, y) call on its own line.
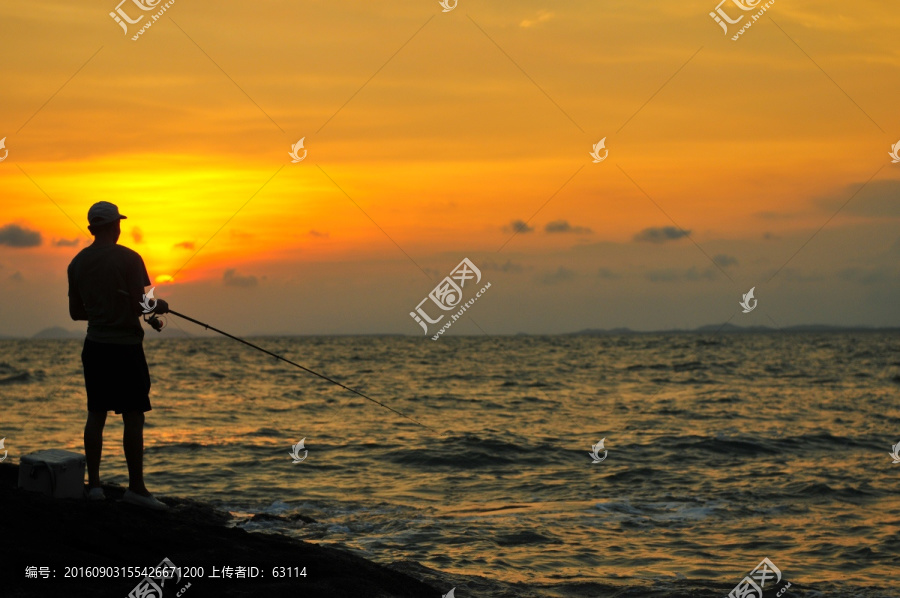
point(324, 377)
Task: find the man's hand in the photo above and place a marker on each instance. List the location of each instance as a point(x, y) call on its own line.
point(162, 307)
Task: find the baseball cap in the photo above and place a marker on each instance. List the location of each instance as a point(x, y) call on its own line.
point(102, 213)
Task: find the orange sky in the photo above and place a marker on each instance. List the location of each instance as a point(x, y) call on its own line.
point(750, 146)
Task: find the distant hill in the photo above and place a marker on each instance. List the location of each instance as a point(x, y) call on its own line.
point(172, 332)
point(58, 332)
point(167, 332)
point(732, 329)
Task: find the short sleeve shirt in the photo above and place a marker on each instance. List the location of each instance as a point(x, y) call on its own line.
point(106, 279)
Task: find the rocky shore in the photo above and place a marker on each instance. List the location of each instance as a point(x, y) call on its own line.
point(58, 547)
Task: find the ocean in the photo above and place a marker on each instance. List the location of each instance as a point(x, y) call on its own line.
point(720, 451)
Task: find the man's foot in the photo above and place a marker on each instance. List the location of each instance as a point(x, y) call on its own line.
point(96, 493)
point(143, 501)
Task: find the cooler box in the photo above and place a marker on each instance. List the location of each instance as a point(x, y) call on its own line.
point(54, 472)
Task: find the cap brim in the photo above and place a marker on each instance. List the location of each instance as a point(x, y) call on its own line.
point(105, 221)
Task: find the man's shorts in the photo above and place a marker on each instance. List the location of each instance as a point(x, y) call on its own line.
point(116, 377)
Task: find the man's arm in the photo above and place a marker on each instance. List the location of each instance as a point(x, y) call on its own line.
point(76, 305)
point(76, 308)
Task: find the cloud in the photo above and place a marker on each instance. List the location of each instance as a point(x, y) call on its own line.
point(864, 275)
point(661, 234)
point(509, 267)
point(232, 279)
point(878, 199)
point(563, 226)
point(137, 235)
point(17, 277)
point(794, 275)
point(238, 234)
point(317, 234)
point(607, 274)
point(542, 15)
point(13, 235)
point(692, 274)
point(768, 215)
point(66, 242)
point(561, 275)
point(518, 226)
point(183, 245)
point(725, 260)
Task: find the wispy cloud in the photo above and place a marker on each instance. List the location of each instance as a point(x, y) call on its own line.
point(518, 226)
point(540, 17)
point(183, 245)
point(692, 274)
point(561, 274)
point(770, 215)
point(232, 279)
point(563, 226)
point(725, 260)
point(608, 274)
point(661, 234)
point(878, 199)
point(509, 267)
point(864, 275)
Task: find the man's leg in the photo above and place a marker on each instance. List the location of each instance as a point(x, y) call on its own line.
point(93, 445)
point(133, 443)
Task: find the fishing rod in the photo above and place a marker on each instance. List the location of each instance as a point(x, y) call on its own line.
point(324, 377)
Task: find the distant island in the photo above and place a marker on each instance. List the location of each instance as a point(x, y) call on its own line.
point(732, 329)
point(58, 332)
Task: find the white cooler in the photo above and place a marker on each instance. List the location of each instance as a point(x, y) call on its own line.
point(54, 472)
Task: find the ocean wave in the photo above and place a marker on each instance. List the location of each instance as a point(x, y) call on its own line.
point(18, 378)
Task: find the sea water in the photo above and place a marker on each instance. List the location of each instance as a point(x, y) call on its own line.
point(720, 451)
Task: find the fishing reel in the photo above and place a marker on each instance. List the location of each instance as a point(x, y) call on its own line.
point(155, 322)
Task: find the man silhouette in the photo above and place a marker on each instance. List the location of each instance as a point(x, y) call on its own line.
point(106, 285)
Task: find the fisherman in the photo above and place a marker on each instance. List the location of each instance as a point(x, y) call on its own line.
point(106, 286)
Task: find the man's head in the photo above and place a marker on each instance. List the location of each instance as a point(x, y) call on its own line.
point(104, 218)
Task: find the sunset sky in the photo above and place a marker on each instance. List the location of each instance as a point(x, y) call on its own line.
point(430, 134)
